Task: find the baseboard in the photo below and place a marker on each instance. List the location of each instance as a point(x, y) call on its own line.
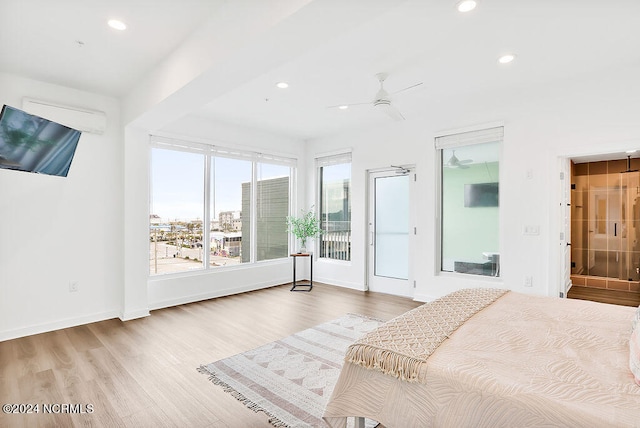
point(132, 315)
point(47, 327)
point(214, 294)
point(344, 284)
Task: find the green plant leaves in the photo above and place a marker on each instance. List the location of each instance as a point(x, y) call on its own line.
point(306, 226)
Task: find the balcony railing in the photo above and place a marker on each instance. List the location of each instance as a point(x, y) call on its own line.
point(335, 242)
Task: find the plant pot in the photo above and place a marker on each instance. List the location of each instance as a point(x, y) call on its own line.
point(303, 246)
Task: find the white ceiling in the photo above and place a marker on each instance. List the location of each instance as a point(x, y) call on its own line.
point(39, 39)
point(429, 41)
point(454, 55)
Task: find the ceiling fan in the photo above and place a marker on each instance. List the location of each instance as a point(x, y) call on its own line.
point(454, 162)
point(382, 99)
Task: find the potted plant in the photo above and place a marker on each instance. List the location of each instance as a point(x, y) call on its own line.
point(304, 227)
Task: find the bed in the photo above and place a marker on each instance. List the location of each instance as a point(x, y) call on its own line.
point(492, 358)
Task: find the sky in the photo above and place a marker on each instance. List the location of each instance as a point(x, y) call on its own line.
point(177, 183)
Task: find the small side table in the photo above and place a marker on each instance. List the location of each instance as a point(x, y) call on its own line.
point(309, 284)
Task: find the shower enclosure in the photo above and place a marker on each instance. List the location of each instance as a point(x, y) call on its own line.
point(606, 221)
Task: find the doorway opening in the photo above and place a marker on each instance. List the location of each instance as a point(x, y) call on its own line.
point(605, 224)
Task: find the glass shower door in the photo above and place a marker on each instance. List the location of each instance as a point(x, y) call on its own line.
point(626, 228)
point(605, 230)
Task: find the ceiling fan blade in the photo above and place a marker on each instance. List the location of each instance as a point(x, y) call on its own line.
point(382, 100)
point(391, 111)
point(454, 162)
point(407, 88)
point(455, 166)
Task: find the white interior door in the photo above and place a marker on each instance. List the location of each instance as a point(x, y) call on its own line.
point(390, 231)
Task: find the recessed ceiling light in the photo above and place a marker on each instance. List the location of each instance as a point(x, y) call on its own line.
point(343, 107)
point(506, 59)
point(282, 85)
point(466, 5)
point(117, 25)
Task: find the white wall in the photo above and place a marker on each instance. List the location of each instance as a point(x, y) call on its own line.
point(91, 227)
point(54, 230)
point(585, 115)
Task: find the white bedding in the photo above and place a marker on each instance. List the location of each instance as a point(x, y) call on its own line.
point(524, 361)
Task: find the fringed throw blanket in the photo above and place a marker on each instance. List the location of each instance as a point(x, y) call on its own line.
point(401, 346)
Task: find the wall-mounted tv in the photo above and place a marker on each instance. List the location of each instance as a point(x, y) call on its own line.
point(481, 195)
point(34, 144)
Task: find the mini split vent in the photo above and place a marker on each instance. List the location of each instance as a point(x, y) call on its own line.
point(79, 118)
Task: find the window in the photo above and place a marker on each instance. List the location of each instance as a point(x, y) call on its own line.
point(469, 234)
point(228, 227)
point(209, 206)
point(177, 211)
point(272, 209)
point(334, 177)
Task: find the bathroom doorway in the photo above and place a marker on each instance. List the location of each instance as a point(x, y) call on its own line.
point(605, 224)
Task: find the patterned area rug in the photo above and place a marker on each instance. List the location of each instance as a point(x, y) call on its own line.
point(291, 379)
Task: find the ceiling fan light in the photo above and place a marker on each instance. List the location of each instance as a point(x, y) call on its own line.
point(466, 5)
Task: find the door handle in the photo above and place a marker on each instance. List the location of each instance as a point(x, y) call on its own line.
point(615, 229)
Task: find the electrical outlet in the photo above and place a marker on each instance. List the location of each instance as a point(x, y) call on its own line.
point(528, 281)
point(73, 286)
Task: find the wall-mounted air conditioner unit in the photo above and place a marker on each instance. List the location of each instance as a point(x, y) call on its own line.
point(79, 118)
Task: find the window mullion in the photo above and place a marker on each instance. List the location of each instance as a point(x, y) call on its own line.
point(206, 223)
point(254, 213)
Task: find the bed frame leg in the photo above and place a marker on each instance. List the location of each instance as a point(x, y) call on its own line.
point(359, 422)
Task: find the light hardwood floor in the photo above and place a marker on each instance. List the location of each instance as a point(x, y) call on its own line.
point(143, 373)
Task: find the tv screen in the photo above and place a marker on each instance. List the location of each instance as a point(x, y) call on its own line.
point(481, 195)
point(34, 144)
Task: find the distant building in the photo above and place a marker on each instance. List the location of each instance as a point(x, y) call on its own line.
point(271, 228)
point(229, 220)
point(336, 205)
point(226, 244)
point(335, 218)
point(233, 243)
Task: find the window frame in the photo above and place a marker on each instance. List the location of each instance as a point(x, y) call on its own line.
point(464, 138)
point(210, 152)
point(321, 161)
